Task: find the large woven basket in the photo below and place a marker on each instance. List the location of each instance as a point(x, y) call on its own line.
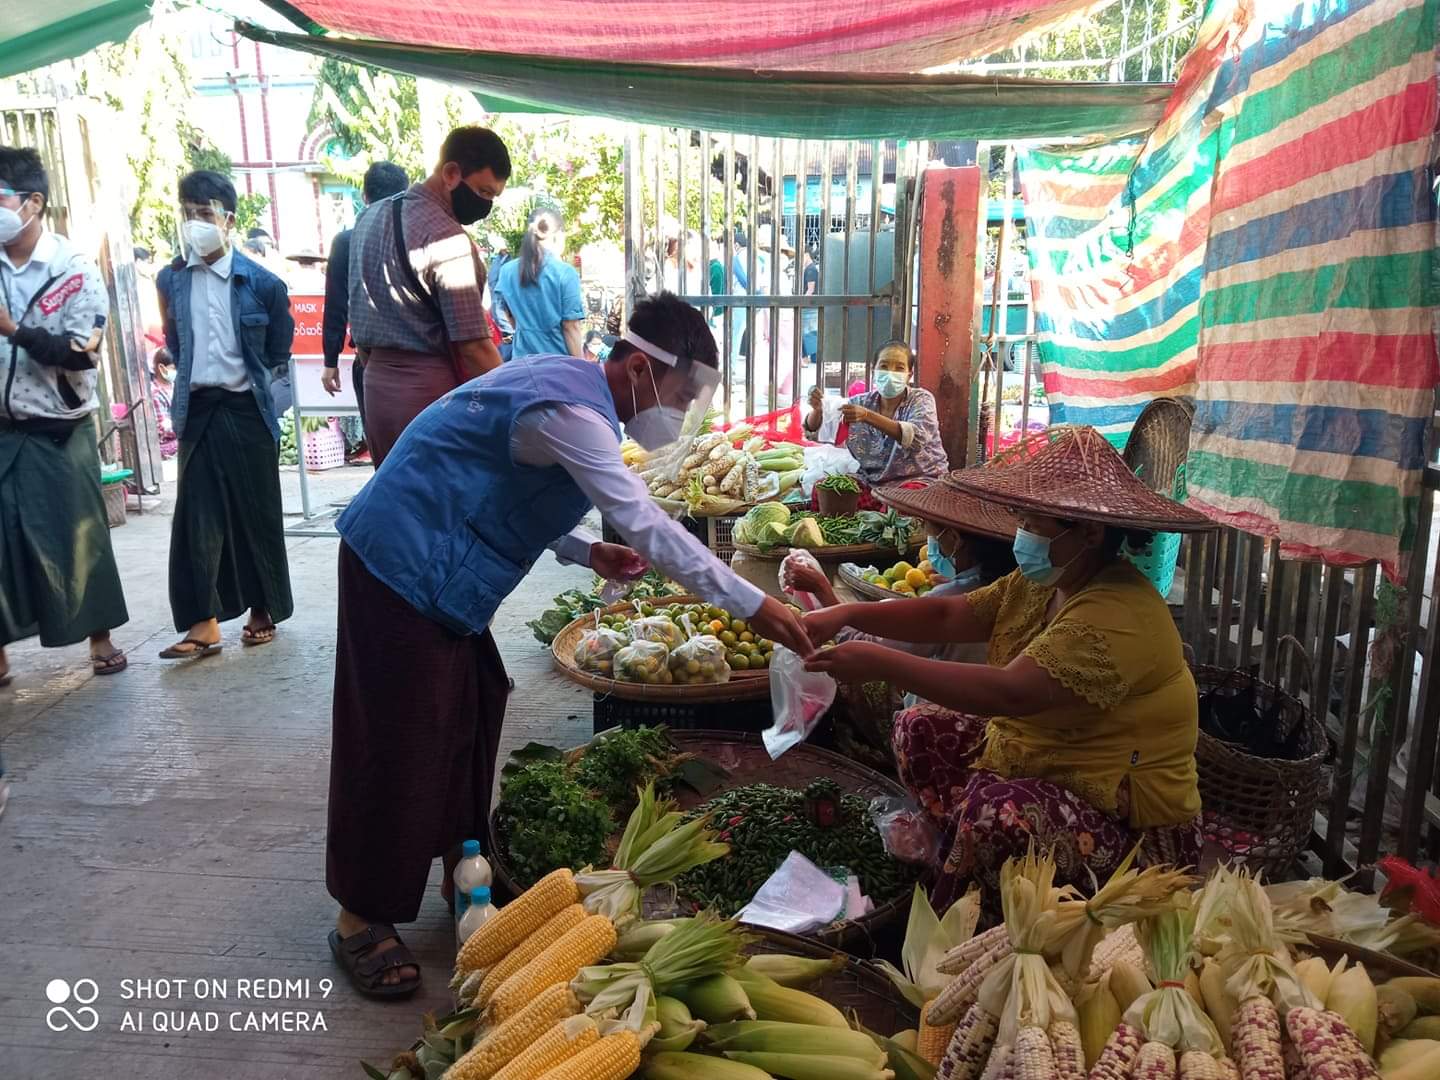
point(857, 988)
point(744, 757)
point(831, 553)
point(743, 685)
point(1261, 810)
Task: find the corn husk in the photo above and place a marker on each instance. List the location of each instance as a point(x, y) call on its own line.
point(1352, 996)
point(1169, 1014)
point(1234, 911)
point(698, 948)
point(1099, 1014)
point(1319, 906)
point(928, 938)
point(1021, 989)
point(658, 845)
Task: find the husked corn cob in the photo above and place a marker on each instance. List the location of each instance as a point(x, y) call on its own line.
point(612, 1058)
point(1119, 944)
point(1119, 1054)
point(952, 1002)
point(1257, 1040)
point(1198, 1065)
point(1294, 1067)
point(1228, 1069)
point(564, 1040)
point(1327, 1046)
point(1156, 1061)
point(583, 944)
point(966, 953)
point(511, 1036)
point(549, 933)
point(969, 1047)
point(932, 1039)
point(1068, 1051)
point(1033, 1058)
point(1001, 1065)
point(517, 920)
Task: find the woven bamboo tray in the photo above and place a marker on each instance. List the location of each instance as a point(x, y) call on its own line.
point(862, 588)
point(1379, 965)
point(744, 757)
point(743, 685)
point(829, 553)
point(857, 987)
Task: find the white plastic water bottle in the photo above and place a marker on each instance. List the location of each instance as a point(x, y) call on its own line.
point(471, 872)
point(477, 911)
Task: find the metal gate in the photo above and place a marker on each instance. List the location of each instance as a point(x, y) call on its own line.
point(734, 225)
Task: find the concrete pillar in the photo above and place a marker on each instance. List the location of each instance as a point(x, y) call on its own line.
point(949, 298)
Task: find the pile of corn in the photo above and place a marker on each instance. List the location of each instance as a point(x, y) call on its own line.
point(1193, 986)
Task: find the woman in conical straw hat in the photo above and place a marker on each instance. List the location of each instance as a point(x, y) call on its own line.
point(1080, 730)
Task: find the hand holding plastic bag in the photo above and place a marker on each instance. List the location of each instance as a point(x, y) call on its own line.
point(799, 698)
point(797, 558)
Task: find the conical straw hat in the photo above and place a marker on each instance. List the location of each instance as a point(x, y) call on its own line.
point(1077, 475)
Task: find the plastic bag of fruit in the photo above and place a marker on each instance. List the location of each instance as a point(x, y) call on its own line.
point(596, 649)
point(643, 662)
point(657, 629)
point(700, 660)
point(907, 832)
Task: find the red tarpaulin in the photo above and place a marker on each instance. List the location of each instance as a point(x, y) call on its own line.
point(793, 35)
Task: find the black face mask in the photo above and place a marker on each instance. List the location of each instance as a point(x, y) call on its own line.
point(469, 207)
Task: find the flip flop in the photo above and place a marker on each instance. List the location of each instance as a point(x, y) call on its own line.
point(6, 680)
point(202, 649)
point(113, 664)
point(260, 635)
point(367, 967)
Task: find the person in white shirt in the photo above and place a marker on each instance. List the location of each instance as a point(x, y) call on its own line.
point(228, 325)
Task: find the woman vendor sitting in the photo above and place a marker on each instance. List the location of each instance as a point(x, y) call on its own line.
point(894, 429)
point(1089, 745)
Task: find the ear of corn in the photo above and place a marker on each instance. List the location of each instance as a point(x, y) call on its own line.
point(1198, 1065)
point(1118, 1057)
point(776, 1036)
point(553, 929)
point(906, 1039)
point(966, 953)
point(811, 1066)
point(517, 920)
point(1156, 1061)
point(1327, 1046)
point(666, 1066)
point(507, 1039)
point(1128, 984)
point(1422, 1027)
point(969, 1048)
point(674, 1016)
point(1425, 991)
point(1425, 1067)
point(796, 972)
point(1119, 944)
point(581, 945)
point(1068, 1051)
point(1098, 1013)
point(1220, 1004)
point(1352, 997)
point(1033, 1057)
point(1001, 1065)
point(952, 1002)
point(717, 999)
point(932, 1039)
point(1257, 1040)
point(1315, 973)
point(771, 1001)
point(1397, 1009)
point(614, 1057)
point(1404, 1051)
point(563, 1041)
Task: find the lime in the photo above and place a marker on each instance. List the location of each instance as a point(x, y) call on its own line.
point(739, 661)
point(760, 660)
point(693, 667)
point(728, 637)
point(746, 648)
point(738, 625)
point(747, 636)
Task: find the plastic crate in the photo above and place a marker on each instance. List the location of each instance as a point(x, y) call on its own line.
point(716, 533)
point(611, 712)
point(324, 449)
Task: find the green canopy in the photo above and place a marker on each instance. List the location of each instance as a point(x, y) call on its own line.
point(804, 105)
point(33, 34)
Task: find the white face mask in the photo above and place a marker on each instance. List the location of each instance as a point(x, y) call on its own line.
point(657, 426)
point(11, 225)
point(204, 237)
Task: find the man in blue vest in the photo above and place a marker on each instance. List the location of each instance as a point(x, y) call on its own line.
point(475, 489)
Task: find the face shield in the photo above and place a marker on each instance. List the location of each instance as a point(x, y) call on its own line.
point(683, 396)
point(205, 227)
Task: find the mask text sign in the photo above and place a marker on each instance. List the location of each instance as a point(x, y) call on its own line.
point(308, 355)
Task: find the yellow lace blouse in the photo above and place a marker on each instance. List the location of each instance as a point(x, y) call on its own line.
point(1113, 645)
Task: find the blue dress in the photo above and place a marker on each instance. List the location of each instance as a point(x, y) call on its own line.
point(538, 310)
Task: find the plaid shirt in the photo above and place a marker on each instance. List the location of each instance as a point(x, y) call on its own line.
point(385, 312)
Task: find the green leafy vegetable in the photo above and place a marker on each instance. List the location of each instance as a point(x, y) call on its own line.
point(841, 484)
point(550, 819)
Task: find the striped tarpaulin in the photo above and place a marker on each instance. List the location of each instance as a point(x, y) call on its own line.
point(1268, 251)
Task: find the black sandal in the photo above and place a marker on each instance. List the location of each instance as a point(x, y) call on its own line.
point(367, 967)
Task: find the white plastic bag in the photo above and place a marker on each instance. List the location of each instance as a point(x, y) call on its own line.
point(596, 649)
point(799, 698)
point(830, 407)
point(798, 897)
point(799, 557)
point(822, 461)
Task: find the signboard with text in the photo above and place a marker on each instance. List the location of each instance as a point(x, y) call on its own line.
point(308, 356)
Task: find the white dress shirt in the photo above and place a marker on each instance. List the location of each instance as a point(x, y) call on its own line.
point(23, 282)
point(216, 360)
point(580, 441)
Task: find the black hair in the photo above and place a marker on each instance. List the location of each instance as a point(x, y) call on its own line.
point(203, 187)
point(996, 558)
point(22, 169)
point(257, 233)
point(896, 343)
point(591, 335)
point(1116, 537)
point(544, 220)
point(383, 179)
point(667, 321)
point(162, 356)
point(474, 148)
point(142, 254)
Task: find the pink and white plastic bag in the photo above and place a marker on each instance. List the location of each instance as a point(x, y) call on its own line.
point(799, 699)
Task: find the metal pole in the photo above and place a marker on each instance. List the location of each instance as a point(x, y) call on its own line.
point(850, 185)
point(727, 320)
point(752, 177)
point(877, 181)
point(705, 223)
point(777, 216)
point(299, 446)
point(682, 147)
point(802, 181)
point(827, 182)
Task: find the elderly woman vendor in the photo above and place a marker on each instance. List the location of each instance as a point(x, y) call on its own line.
point(894, 428)
point(1080, 730)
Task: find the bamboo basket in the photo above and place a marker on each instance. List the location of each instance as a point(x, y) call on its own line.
point(863, 589)
point(743, 685)
point(744, 757)
point(830, 553)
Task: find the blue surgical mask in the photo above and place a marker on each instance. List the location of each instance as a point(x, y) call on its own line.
point(943, 564)
point(967, 579)
point(891, 384)
point(1032, 555)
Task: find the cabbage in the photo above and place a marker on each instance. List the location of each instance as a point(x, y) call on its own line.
point(763, 514)
point(770, 534)
point(806, 533)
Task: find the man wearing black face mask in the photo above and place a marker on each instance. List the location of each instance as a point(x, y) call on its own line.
point(417, 286)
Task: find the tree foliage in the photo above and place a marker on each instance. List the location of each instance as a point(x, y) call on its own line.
point(1104, 35)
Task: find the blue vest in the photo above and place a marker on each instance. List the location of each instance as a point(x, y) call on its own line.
point(450, 521)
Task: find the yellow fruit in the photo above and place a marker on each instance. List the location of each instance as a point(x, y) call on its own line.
point(925, 567)
point(904, 588)
point(916, 578)
point(718, 627)
point(903, 567)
